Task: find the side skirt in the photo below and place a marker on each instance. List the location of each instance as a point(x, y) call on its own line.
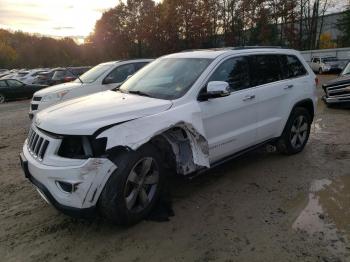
point(229, 158)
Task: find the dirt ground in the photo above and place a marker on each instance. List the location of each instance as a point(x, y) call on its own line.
point(260, 207)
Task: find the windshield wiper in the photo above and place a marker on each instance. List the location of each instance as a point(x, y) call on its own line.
point(140, 93)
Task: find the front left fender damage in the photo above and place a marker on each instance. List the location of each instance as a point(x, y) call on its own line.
point(135, 133)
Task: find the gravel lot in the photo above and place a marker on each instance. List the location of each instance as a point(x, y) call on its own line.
point(260, 207)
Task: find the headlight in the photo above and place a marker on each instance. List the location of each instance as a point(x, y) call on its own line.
point(82, 147)
point(55, 96)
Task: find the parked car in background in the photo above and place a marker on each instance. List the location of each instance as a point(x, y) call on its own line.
point(337, 91)
point(188, 112)
point(11, 89)
point(64, 75)
point(44, 78)
point(28, 77)
point(326, 64)
point(105, 76)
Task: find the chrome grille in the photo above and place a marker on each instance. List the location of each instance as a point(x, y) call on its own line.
point(342, 90)
point(36, 144)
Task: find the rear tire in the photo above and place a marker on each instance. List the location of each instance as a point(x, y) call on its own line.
point(133, 189)
point(296, 132)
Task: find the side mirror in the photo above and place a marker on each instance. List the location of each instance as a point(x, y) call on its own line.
point(108, 80)
point(216, 89)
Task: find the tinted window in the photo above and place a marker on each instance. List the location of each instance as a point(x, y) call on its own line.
point(14, 83)
point(316, 60)
point(292, 66)
point(138, 66)
point(265, 69)
point(2, 84)
point(121, 73)
point(233, 71)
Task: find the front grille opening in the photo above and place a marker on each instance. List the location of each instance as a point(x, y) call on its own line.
point(37, 145)
point(82, 147)
point(34, 107)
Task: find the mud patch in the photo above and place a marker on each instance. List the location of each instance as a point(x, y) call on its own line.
point(327, 214)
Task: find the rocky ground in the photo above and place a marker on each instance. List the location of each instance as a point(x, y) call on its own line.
point(260, 207)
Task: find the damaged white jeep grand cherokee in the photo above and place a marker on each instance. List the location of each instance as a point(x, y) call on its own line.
point(187, 111)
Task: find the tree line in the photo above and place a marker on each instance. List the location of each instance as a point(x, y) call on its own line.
point(145, 28)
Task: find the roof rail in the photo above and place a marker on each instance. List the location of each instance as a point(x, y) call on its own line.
point(256, 47)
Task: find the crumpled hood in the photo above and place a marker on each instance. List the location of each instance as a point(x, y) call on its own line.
point(338, 81)
point(57, 88)
point(85, 115)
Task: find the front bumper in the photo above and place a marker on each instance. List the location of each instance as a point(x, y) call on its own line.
point(335, 100)
point(87, 180)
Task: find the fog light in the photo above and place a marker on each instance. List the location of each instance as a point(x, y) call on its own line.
point(67, 187)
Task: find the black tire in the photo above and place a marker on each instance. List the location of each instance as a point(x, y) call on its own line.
point(113, 200)
point(288, 142)
point(2, 98)
point(320, 71)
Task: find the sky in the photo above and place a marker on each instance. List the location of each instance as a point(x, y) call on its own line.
point(58, 18)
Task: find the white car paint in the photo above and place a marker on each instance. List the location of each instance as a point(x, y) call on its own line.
point(63, 92)
point(216, 128)
point(29, 76)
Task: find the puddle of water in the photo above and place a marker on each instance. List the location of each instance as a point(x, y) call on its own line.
point(327, 213)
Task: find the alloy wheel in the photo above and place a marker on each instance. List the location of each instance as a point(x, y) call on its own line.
point(299, 132)
point(141, 184)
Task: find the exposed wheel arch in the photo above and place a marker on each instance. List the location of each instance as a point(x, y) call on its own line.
point(308, 105)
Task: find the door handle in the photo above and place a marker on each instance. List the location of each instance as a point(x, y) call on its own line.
point(289, 86)
point(249, 97)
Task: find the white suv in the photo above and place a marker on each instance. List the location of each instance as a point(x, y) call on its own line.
point(187, 111)
point(105, 76)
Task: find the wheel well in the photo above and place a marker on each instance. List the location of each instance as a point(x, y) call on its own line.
point(308, 105)
point(175, 147)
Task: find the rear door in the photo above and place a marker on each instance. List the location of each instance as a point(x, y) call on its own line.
point(230, 122)
point(279, 81)
point(271, 92)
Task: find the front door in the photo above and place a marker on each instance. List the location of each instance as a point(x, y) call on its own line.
point(230, 122)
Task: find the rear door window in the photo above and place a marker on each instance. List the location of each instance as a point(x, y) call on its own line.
point(234, 71)
point(3, 84)
point(265, 69)
point(292, 66)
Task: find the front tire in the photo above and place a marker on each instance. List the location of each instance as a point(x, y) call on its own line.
point(133, 189)
point(2, 99)
point(320, 71)
point(296, 132)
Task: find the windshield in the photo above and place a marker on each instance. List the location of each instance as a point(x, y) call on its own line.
point(94, 73)
point(166, 78)
point(346, 70)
